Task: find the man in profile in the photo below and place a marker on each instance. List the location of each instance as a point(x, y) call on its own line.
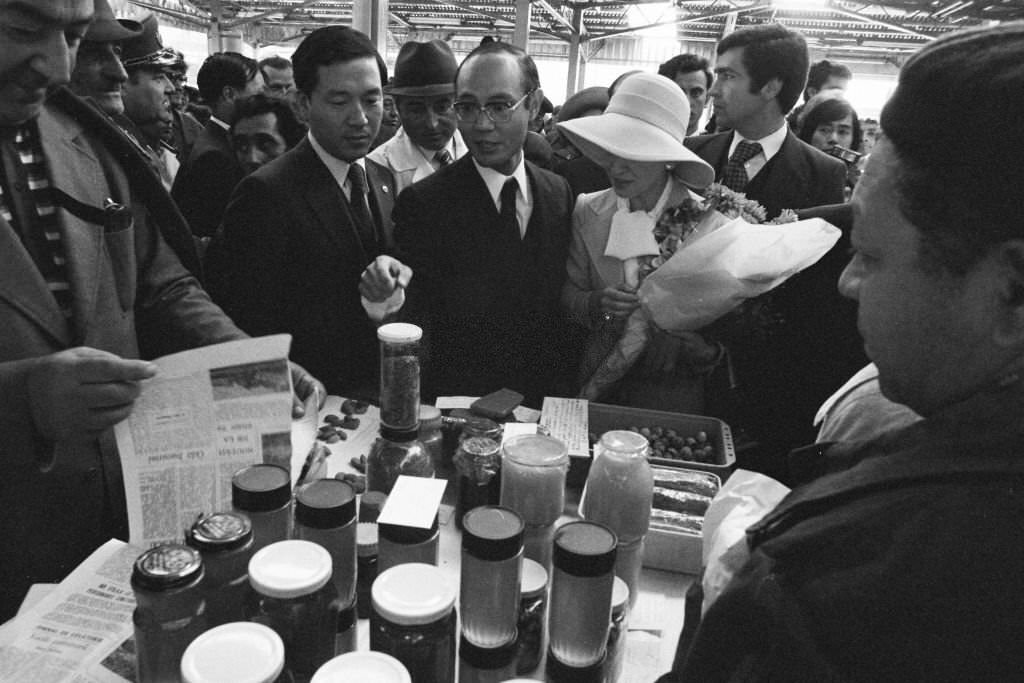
point(692, 73)
point(424, 90)
point(898, 558)
point(98, 74)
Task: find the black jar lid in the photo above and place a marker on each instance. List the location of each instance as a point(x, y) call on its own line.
point(487, 658)
point(406, 535)
point(166, 566)
point(584, 549)
point(560, 672)
point(325, 504)
point(261, 488)
point(220, 532)
point(400, 435)
point(492, 532)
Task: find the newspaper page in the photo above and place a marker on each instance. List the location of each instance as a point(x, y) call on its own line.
point(208, 413)
point(81, 632)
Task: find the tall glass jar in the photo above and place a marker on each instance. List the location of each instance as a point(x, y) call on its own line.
point(486, 664)
point(414, 620)
point(618, 493)
point(264, 494)
point(224, 539)
point(492, 553)
point(325, 513)
point(170, 611)
point(400, 376)
point(581, 594)
point(478, 464)
point(533, 484)
point(295, 597)
point(239, 651)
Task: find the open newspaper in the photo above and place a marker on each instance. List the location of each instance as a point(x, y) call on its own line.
point(208, 413)
point(78, 632)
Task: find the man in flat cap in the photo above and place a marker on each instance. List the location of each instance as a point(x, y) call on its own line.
point(424, 92)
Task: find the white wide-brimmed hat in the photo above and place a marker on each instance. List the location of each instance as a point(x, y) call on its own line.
point(645, 120)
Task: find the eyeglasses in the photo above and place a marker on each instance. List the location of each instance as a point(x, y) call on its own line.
point(498, 112)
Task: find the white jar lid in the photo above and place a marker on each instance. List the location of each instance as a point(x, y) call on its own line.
point(413, 593)
point(620, 594)
point(240, 652)
point(533, 580)
point(399, 333)
point(362, 666)
point(289, 569)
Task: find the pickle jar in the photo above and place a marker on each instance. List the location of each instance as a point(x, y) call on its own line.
point(170, 610)
point(224, 539)
point(414, 619)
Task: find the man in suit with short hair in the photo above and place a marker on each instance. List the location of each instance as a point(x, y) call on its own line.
point(789, 349)
point(205, 182)
point(300, 230)
point(487, 240)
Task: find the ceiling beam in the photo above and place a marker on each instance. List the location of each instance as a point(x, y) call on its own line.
point(285, 10)
point(868, 19)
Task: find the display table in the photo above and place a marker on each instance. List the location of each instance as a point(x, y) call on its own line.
point(655, 621)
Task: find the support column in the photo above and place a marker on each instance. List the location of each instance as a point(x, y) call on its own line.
point(213, 39)
point(575, 76)
point(730, 23)
point(521, 33)
point(371, 17)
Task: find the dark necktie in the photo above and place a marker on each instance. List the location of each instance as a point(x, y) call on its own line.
point(509, 221)
point(443, 157)
point(361, 210)
point(735, 175)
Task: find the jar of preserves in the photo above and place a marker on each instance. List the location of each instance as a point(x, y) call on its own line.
point(263, 493)
point(486, 664)
point(295, 597)
point(492, 553)
point(362, 666)
point(224, 539)
point(170, 609)
point(366, 566)
point(414, 619)
point(399, 544)
point(399, 376)
point(533, 469)
point(325, 513)
point(478, 464)
point(532, 616)
point(239, 651)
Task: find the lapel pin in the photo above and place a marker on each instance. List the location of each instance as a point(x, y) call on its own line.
point(384, 189)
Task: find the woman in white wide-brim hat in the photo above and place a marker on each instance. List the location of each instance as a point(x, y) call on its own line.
point(639, 142)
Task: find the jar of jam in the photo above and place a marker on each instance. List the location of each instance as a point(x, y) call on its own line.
point(533, 602)
point(224, 539)
point(478, 464)
point(170, 610)
point(492, 554)
point(413, 620)
point(355, 667)
point(239, 651)
point(263, 493)
point(296, 598)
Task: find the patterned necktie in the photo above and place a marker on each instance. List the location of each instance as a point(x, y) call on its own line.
point(361, 210)
point(509, 220)
point(443, 157)
point(735, 175)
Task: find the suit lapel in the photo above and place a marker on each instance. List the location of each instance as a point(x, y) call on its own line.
point(24, 287)
point(780, 182)
point(75, 170)
point(382, 201)
point(326, 201)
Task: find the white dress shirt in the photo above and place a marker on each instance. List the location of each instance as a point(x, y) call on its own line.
point(495, 181)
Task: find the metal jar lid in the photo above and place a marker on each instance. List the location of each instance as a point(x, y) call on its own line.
point(325, 504)
point(238, 651)
point(492, 533)
point(584, 549)
point(167, 566)
point(290, 569)
point(220, 532)
point(378, 667)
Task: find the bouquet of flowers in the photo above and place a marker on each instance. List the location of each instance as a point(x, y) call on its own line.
point(714, 253)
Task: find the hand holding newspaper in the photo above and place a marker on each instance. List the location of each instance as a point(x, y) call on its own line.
point(208, 413)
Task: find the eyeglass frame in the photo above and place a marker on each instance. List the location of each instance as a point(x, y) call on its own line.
point(509, 107)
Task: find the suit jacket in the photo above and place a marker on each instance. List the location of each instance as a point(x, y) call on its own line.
point(405, 160)
point(489, 303)
point(289, 260)
point(204, 183)
point(131, 297)
point(797, 344)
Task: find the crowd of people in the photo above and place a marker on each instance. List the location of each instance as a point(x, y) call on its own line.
point(136, 222)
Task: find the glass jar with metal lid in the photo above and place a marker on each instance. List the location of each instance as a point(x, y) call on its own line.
point(413, 620)
point(239, 651)
point(263, 492)
point(362, 666)
point(224, 539)
point(170, 610)
point(296, 598)
point(478, 464)
point(325, 513)
point(533, 469)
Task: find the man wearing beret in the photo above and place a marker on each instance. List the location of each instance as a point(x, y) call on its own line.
point(424, 91)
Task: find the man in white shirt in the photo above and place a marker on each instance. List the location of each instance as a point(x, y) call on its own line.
point(424, 92)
